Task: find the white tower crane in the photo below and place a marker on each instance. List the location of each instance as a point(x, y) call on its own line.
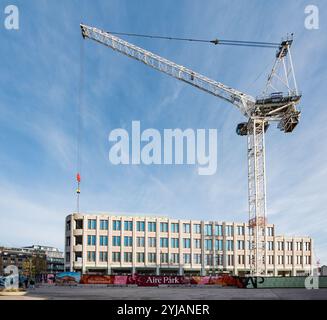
point(260, 111)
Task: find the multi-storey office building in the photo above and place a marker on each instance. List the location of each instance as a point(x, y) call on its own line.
point(115, 244)
point(17, 257)
point(52, 257)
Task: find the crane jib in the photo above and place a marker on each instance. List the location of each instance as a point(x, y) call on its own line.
point(237, 98)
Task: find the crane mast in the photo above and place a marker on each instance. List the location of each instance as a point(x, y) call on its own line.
point(259, 112)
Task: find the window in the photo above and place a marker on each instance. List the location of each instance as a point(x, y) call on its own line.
point(128, 241)
point(163, 257)
point(164, 242)
point(186, 228)
point(219, 259)
point(289, 259)
point(140, 257)
point(79, 224)
point(230, 260)
point(197, 258)
point(280, 245)
point(91, 224)
point(91, 240)
point(103, 240)
point(270, 259)
point(174, 227)
point(270, 245)
point(208, 230)
point(229, 245)
point(67, 256)
point(307, 246)
point(250, 231)
point(218, 230)
point(140, 226)
point(270, 231)
point(197, 228)
point(128, 225)
point(187, 258)
point(116, 241)
point(208, 259)
point(151, 242)
point(219, 244)
point(208, 244)
point(91, 256)
point(67, 241)
point(241, 259)
point(103, 256)
point(298, 246)
point(140, 241)
point(174, 258)
point(289, 245)
point(307, 260)
point(104, 224)
point(116, 257)
point(197, 243)
point(229, 230)
point(240, 244)
point(163, 227)
point(152, 257)
point(187, 243)
point(240, 230)
point(151, 226)
point(116, 225)
point(127, 256)
point(280, 259)
point(78, 256)
point(68, 226)
point(174, 242)
point(298, 259)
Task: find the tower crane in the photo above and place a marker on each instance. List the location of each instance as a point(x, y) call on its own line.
point(271, 106)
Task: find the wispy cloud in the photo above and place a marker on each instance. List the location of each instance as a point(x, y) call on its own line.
point(38, 115)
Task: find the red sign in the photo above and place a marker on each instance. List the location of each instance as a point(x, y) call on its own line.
point(94, 279)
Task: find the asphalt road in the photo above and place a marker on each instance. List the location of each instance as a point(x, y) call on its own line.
point(168, 293)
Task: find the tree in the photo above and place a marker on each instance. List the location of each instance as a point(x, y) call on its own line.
point(34, 265)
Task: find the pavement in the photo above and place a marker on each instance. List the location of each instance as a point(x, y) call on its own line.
point(93, 292)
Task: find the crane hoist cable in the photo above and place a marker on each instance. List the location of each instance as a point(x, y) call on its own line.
point(242, 43)
point(79, 126)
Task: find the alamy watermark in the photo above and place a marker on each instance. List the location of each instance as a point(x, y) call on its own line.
point(175, 146)
point(11, 20)
point(311, 21)
point(312, 281)
point(11, 277)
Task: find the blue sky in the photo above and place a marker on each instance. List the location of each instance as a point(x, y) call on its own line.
point(39, 78)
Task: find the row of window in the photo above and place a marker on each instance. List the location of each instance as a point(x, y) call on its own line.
point(208, 243)
point(209, 229)
point(173, 258)
point(288, 245)
point(140, 226)
point(174, 242)
point(197, 258)
point(289, 259)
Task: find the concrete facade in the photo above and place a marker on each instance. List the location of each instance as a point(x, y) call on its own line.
point(116, 244)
